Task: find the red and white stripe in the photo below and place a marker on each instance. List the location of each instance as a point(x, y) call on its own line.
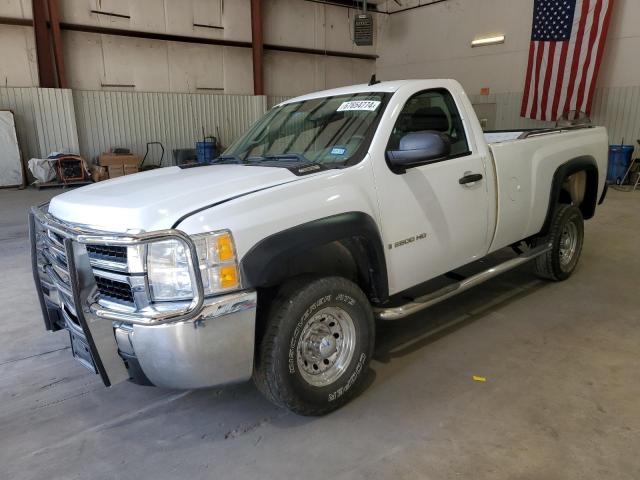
point(561, 76)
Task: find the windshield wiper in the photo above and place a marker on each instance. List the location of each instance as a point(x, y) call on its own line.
point(227, 159)
point(298, 157)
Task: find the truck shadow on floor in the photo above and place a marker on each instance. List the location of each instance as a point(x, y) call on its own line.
point(399, 338)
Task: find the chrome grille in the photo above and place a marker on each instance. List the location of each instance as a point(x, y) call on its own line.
point(56, 278)
point(108, 252)
point(52, 261)
point(113, 289)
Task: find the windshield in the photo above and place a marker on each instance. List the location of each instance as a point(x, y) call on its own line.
point(329, 131)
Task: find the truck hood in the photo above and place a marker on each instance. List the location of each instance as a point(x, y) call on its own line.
point(157, 199)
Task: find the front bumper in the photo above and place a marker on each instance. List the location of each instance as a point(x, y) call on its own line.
point(215, 348)
point(209, 342)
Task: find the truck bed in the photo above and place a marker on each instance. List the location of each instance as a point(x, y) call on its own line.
point(524, 163)
point(500, 136)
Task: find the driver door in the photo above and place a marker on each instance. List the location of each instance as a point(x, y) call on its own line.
point(432, 221)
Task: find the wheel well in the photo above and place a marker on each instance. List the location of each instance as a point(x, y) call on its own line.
point(574, 183)
point(329, 259)
point(581, 189)
point(347, 245)
point(344, 258)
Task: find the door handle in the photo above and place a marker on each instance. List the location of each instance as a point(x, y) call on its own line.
point(470, 178)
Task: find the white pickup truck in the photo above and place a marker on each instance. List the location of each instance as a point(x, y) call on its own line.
point(274, 262)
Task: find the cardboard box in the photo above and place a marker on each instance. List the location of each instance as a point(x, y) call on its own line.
point(129, 169)
point(115, 171)
point(99, 173)
point(108, 159)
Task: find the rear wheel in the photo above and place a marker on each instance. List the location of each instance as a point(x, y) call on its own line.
point(566, 237)
point(317, 342)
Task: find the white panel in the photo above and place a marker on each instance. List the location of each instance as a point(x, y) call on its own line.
point(20, 101)
point(15, 9)
point(290, 73)
point(195, 67)
point(238, 70)
point(181, 15)
point(83, 60)
point(147, 15)
point(135, 61)
point(10, 162)
point(291, 22)
point(237, 20)
point(207, 12)
point(17, 57)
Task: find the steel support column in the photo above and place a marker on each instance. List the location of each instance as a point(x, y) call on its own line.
point(58, 54)
point(257, 46)
point(46, 72)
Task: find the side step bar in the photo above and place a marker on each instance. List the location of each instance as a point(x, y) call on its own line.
point(438, 296)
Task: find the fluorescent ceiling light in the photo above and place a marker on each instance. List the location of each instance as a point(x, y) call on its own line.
point(481, 42)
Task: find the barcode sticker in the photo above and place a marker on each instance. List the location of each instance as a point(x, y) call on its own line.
point(359, 105)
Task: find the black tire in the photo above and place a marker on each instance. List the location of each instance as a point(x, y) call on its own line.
point(300, 307)
point(557, 264)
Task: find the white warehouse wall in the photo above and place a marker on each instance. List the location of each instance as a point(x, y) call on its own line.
point(435, 41)
point(98, 61)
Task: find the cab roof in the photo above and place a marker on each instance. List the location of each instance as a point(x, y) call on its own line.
point(388, 87)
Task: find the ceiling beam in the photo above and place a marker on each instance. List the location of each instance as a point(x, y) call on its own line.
point(355, 4)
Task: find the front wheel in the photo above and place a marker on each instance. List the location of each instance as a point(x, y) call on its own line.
point(566, 236)
point(316, 345)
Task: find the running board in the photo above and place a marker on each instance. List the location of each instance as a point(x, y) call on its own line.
point(438, 296)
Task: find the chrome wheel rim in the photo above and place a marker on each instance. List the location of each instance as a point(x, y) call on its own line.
point(326, 346)
point(568, 244)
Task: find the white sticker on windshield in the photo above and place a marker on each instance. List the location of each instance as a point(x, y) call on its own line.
point(359, 105)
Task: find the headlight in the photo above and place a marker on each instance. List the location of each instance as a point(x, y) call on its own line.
point(217, 262)
point(168, 267)
point(168, 271)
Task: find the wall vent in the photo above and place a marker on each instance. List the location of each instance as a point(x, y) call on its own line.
point(363, 29)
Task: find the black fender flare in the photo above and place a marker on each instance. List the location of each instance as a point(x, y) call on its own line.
point(262, 265)
point(588, 205)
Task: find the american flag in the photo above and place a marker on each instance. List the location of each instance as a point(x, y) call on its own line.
point(567, 43)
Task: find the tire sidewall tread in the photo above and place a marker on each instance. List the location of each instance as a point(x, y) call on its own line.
point(276, 371)
point(548, 265)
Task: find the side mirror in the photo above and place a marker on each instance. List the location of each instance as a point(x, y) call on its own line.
point(419, 148)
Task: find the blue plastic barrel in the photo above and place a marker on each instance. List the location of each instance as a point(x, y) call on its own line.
point(206, 151)
point(619, 159)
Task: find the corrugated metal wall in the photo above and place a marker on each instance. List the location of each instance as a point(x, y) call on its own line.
point(131, 119)
point(273, 100)
point(55, 120)
point(45, 119)
point(94, 121)
point(617, 108)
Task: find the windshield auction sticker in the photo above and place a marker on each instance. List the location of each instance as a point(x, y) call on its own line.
point(359, 105)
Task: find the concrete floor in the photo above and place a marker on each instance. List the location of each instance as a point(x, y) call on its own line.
point(561, 400)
